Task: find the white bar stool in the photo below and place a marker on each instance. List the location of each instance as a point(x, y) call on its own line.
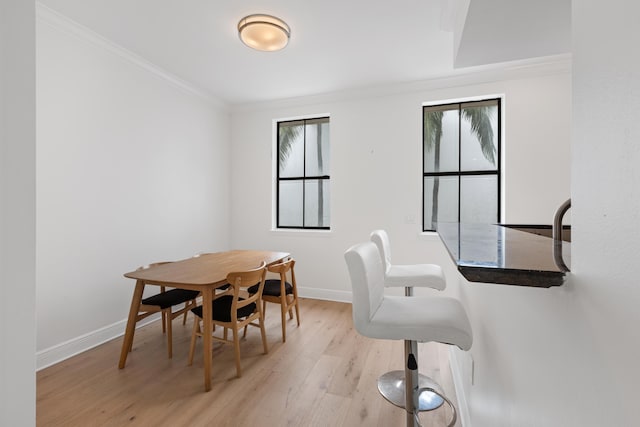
point(392, 385)
point(408, 275)
point(415, 319)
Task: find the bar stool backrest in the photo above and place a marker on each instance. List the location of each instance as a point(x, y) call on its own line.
point(381, 239)
point(367, 281)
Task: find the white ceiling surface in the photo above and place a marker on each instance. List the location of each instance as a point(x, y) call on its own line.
point(335, 44)
point(509, 30)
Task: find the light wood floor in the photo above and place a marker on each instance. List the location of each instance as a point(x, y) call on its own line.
point(324, 375)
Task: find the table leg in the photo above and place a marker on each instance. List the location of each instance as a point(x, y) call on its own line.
point(207, 296)
point(131, 323)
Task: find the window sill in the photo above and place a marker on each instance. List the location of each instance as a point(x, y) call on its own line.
point(428, 235)
point(300, 232)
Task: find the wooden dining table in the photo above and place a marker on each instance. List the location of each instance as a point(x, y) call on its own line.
point(203, 273)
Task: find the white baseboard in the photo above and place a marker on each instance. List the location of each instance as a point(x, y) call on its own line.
point(67, 349)
point(458, 384)
point(325, 294)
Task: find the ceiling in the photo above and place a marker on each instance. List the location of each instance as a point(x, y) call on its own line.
point(508, 30)
point(335, 45)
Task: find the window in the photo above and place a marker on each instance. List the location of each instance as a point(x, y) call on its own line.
point(303, 191)
point(461, 163)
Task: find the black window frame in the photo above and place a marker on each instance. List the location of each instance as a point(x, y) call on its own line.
point(304, 178)
point(459, 173)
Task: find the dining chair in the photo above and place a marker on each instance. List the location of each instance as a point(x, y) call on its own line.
point(235, 309)
point(281, 291)
point(164, 302)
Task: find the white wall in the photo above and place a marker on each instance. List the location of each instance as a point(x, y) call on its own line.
point(132, 168)
point(537, 167)
point(376, 164)
point(568, 356)
point(606, 200)
point(543, 357)
point(17, 213)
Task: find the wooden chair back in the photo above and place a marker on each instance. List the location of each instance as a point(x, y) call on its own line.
point(237, 290)
point(239, 282)
point(282, 267)
point(287, 301)
point(145, 310)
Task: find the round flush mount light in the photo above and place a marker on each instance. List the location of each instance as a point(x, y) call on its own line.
point(264, 32)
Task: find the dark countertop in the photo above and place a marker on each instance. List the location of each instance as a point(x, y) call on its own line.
point(494, 253)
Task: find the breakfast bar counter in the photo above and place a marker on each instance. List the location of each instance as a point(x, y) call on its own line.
point(503, 254)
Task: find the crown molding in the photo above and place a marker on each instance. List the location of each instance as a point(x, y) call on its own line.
point(535, 67)
point(61, 22)
point(514, 70)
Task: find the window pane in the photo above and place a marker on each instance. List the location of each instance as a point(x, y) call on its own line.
point(441, 138)
point(479, 199)
point(304, 154)
point(290, 204)
point(317, 150)
point(291, 149)
point(446, 201)
point(479, 136)
point(316, 203)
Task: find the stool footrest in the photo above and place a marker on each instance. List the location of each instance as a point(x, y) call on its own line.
point(391, 386)
point(430, 395)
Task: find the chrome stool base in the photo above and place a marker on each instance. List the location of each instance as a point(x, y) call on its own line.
point(392, 386)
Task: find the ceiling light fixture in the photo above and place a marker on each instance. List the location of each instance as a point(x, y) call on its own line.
point(264, 32)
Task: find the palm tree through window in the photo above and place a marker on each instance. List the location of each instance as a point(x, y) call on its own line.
point(303, 174)
point(461, 163)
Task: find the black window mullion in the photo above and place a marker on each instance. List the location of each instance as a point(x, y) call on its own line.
point(424, 154)
point(460, 173)
point(459, 156)
point(304, 170)
point(499, 158)
point(304, 178)
point(294, 178)
point(278, 178)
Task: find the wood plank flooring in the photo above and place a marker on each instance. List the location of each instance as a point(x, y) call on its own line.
point(324, 375)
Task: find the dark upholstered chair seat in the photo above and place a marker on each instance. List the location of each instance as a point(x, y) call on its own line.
point(272, 288)
point(164, 303)
point(170, 298)
point(222, 309)
point(223, 287)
